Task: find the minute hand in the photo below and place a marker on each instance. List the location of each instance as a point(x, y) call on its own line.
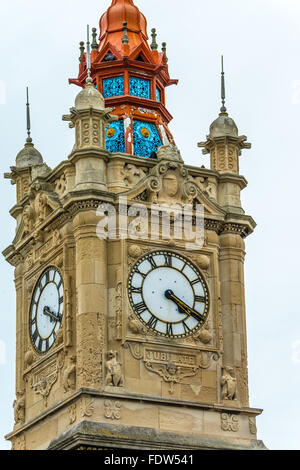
point(183, 307)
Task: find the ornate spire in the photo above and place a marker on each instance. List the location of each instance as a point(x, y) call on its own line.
point(88, 56)
point(223, 95)
point(28, 156)
point(29, 139)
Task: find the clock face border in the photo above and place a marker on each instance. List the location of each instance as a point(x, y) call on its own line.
point(36, 303)
point(197, 271)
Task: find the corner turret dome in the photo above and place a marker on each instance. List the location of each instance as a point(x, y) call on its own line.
point(89, 97)
point(223, 126)
point(28, 156)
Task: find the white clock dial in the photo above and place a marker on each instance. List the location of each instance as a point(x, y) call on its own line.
point(46, 310)
point(168, 294)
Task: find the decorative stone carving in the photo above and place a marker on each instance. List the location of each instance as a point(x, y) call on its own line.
point(204, 335)
point(87, 407)
point(228, 382)
point(28, 219)
point(44, 387)
point(171, 373)
point(252, 425)
point(61, 185)
point(132, 174)
point(135, 251)
point(119, 308)
point(19, 408)
point(72, 414)
point(114, 375)
point(29, 358)
point(171, 364)
point(204, 185)
point(229, 422)
point(69, 375)
point(135, 326)
point(203, 262)
point(112, 409)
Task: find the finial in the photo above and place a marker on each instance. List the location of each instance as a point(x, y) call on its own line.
point(88, 55)
point(125, 38)
point(164, 49)
point(223, 95)
point(29, 139)
point(94, 43)
point(81, 48)
point(154, 45)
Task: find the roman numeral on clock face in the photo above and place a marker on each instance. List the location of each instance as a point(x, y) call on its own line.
point(152, 262)
point(140, 273)
point(196, 281)
point(186, 328)
point(140, 308)
point(152, 322)
point(170, 329)
point(168, 260)
point(199, 298)
point(135, 290)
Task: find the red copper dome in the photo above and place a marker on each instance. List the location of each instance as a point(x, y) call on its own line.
point(111, 24)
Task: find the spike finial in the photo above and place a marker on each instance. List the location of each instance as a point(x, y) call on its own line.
point(94, 43)
point(154, 45)
point(125, 38)
point(29, 139)
point(81, 48)
point(223, 94)
point(164, 50)
point(88, 56)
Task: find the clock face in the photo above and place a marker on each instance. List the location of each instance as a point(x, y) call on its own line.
point(46, 310)
point(168, 294)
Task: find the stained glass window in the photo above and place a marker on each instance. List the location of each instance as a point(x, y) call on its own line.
point(113, 87)
point(115, 140)
point(146, 138)
point(139, 87)
point(157, 94)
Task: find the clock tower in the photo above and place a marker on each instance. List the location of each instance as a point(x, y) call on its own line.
point(131, 329)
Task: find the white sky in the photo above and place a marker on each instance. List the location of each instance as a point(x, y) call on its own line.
point(260, 41)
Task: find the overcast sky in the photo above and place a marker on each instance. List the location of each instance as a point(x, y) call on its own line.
point(260, 42)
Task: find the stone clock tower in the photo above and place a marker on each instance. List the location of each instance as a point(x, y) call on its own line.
point(130, 340)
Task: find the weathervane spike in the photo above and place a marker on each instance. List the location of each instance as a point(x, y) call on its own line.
point(29, 139)
point(223, 94)
point(88, 56)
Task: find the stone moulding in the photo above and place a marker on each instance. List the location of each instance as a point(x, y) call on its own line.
point(98, 436)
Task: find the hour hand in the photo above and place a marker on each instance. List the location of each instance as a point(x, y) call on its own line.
point(53, 316)
point(182, 306)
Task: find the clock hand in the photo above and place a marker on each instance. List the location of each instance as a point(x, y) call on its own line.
point(183, 307)
point(52, 315)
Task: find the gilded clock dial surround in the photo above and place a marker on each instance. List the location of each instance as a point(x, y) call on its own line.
point(168, 294)
point(46, 310)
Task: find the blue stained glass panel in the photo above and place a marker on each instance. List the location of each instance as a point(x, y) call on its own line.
point(115, 138)
point(113, 86)
point(139, 87)
point(146, 138)
point(157, 94)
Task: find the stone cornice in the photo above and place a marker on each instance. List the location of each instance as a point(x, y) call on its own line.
point(132, 397)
